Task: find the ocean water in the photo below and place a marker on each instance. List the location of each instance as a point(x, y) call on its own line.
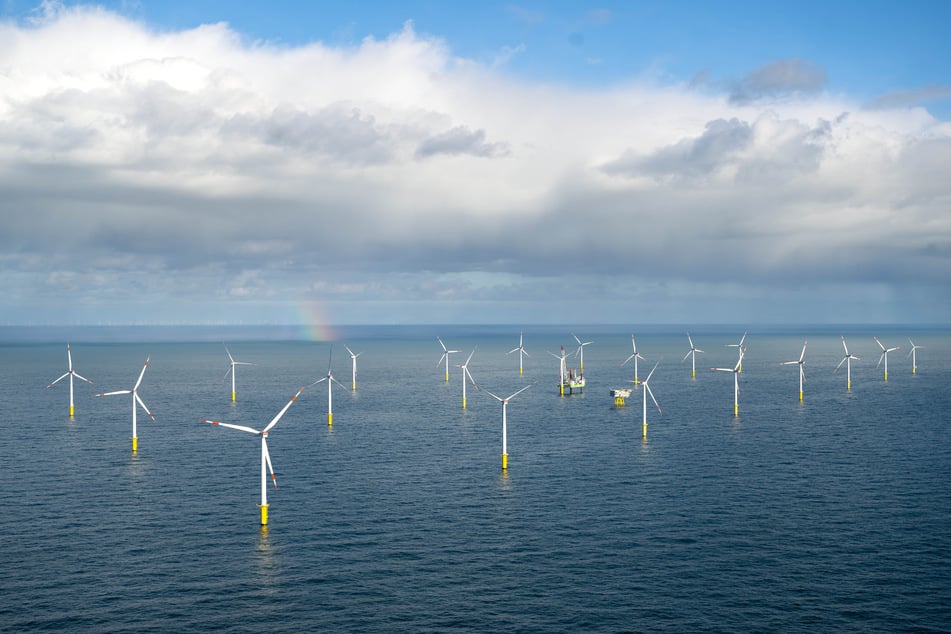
point(833, 514)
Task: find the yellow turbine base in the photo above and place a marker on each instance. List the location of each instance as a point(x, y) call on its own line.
point(447, 378)
point(848, 386)
point(618, 401)
point(914, 369)
point(644, 431)
point(354, 386)
point(520, 371)
point(463, 402)
point(330, 419)
point(264, 514)
point(693, 374)
point(72, 411)
point(135, 444)
point(736, 409)
point(637, 381)
point(886, 376)
point(232, 397)
point(800, 396)
point(561, 390)
point(505, 461)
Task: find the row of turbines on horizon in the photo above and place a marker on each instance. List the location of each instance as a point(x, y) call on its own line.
point(266, 465)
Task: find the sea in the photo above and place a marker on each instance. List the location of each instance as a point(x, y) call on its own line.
point(829, 514)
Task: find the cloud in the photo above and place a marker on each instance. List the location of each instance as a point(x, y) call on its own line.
point(781, 78)
point(910, 98)
point(164, 175)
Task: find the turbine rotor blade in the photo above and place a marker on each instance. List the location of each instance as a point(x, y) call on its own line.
point(142, 403)
point(238, 427)
point(267, 458)
point(142, 373)
point(656, 404)
point(114, 393)
point(281, 413)
point(58, 380)
point(76, 374)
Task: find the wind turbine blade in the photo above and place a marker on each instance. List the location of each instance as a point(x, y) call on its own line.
point(336, 382)
point(803, 353)
point(880, 360)
point(229, 354)
point(347, 348)
point(844, 359)
point(267, 458)
point(651, 373)
point(526, 352)
point(469, 358)
point(689, 352)
point(76, 374)
point(723, 369)
point(230, 368)
point(743, 338)
point(142, 403)
point(656, 404)
point(879, 343)
point(576, 338)
point(114, 393)
point(444, 355)
point(142, 373)
point(281, 413)
point(238, 427)
point(498, 398)
point(442, 344)
point(698, 349)
point(318, 381)
point(690, 340)
point(845, 347)
point(631, 357)
point(519, 392)
point(469, 374)
point(58, 380)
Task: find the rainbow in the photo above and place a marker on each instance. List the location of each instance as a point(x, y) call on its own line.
point(314, 323)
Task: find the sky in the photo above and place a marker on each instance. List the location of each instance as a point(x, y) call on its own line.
point(495, 162)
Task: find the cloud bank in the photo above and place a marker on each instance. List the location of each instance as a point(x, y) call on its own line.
point(194, 176)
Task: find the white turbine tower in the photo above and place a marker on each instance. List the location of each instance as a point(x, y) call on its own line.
point(353, 359)
point(692, 353)
point(265, 456)
point(521, 351)
point(562, 371)
point(736, 381)
point(330, 384)
point(914, 356)
point(231, 370)
point(801, 362)
point(647, 390)
point(579, 352)
point(70, 372)
point(505, 402)
point(467, 374)
point(884, 356)
point(636, 355)
point(445, 355)
point(135, 399)
point(847, 360)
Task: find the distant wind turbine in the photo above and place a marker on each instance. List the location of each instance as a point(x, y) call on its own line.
point(636, 355)
point(562, 371)
point(847, 360)
point(330, 383)
point(740, 349)
point(135, 399)
point(647, 390)
point(580, 351)
point(884, 356)
point(445, 355)
point(801, 362)
point(231, 370)
point(736, 381)
point(692, 353)
point(467, 374)
point(521, 350)
point(69, 373)
point(353, 358)
point(914, 356)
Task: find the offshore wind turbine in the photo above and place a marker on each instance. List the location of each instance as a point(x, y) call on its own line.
point(445, 355)
point(647, 390)
point(231, 370)
point(636, 355)
point(70, 372)
point(330, 384)
point(135, 399)
point(801, 362)
point(914, 357)
point(562, 371)
point(736, 381)
point(580, 351)
point(884, 356)
point(466, 373)
point(521, 350)
point(847, 360)
point(353, 358)
point(265, 456)
point(692, 353)
point(505, 402)
point(740, 349)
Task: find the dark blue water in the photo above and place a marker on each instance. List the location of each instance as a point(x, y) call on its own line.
point(831, 514)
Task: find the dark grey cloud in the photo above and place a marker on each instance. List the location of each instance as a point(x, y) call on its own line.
point(460, 140)
point(781, 78)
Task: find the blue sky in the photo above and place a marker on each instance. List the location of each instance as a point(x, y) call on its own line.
point(419, 162)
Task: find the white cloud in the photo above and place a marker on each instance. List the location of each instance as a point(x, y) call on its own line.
point(180, 159)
